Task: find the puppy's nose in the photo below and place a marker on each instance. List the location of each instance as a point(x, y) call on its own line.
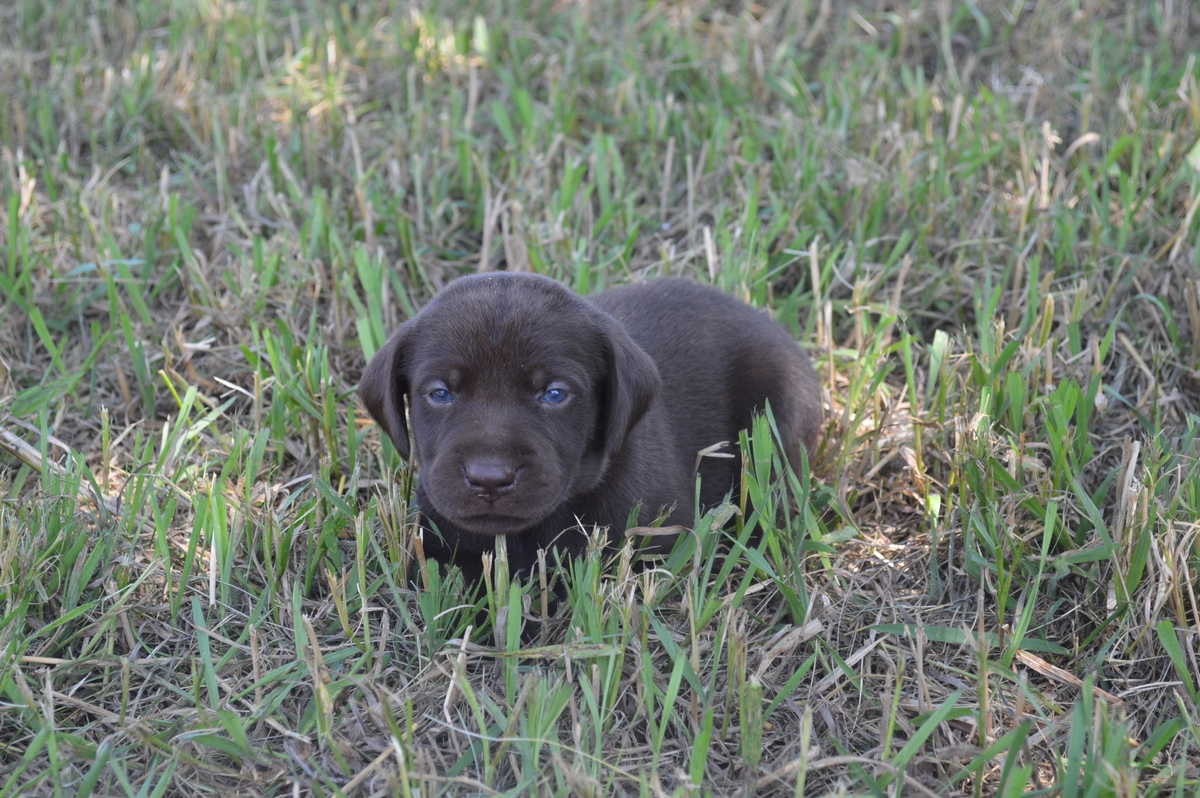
point(488, 479)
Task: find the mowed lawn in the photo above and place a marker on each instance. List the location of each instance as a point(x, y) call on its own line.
point(979, 218)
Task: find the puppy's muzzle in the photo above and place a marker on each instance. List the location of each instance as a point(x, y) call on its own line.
point(488, 479)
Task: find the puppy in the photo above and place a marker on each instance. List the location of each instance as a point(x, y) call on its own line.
point(535, 411)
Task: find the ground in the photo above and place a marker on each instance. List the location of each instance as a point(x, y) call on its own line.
point(979, 218)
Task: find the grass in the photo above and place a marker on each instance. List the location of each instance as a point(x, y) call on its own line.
point(980, 218)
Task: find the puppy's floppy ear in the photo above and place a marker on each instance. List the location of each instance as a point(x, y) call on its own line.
point(630, 386)
point(383, 387)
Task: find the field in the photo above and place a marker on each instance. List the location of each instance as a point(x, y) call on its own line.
point(980, 219)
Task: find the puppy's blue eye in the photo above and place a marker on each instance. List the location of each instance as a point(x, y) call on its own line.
point(554, 396)
point(440, 396)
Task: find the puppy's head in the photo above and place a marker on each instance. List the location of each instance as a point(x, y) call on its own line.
point(520, 394)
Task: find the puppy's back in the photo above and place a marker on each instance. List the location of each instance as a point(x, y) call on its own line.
point(720, 360)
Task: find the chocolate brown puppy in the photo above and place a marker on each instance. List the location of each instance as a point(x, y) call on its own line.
point(537, 413)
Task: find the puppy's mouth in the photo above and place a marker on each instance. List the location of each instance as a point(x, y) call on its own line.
point(494, 523)
point(491, 501)
point(508, 515)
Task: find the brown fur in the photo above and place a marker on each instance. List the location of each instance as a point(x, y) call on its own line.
point(651, 374)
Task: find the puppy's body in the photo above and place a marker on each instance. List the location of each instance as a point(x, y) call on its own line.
point(534, 410)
